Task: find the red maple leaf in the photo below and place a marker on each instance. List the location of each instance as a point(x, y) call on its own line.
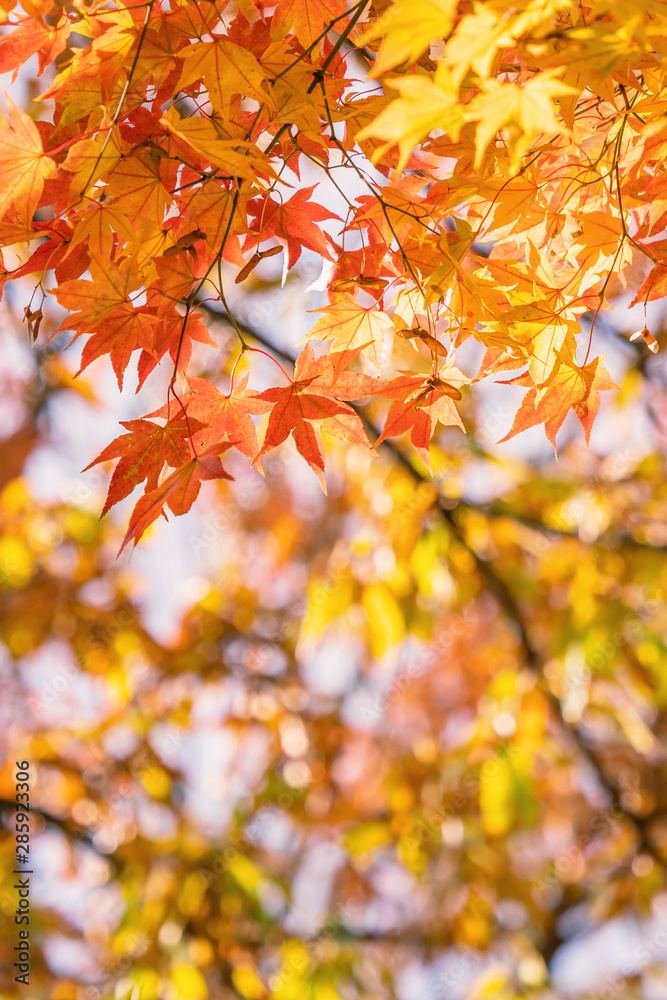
point(227, 416)
point(221, 417)
point(173, 334)
point(293, 223)
point(178, 491)
point(104, 309)
point(56, 252)
point(143, 453)
point(314, 402)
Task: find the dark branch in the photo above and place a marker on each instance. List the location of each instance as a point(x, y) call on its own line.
point(505, 599)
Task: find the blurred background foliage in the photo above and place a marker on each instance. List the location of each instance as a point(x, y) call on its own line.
point(403, 741)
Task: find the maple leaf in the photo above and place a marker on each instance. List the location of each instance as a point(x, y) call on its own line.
point(227, 416)
point(104, 308)
point(349, 325)
point(33, 37)
point(307, 17)
point(24, 166)
point(108, 291)
point(598, 243)
point(55, 252)
point(241, 159)
point(209, 209)
point(424, 104)
point(292, 223)
point(477, 87)
point(542, 330)
point(407, 31)
point(100, 227)
point(175, 274)
point(419, 402)
point(497, 359)
point(570, 388)
point(312, 402)
point(139, 183)
point(221, 416)
point(119, 335)
point(172, 334)
point(178, 491)
point(143, 452)
point(226, 69)
point(92, 158)
point(654, 285)
point(525, 111)
point(475, 42)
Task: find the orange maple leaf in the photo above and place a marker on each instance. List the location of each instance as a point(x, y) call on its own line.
point(314, 402)
point(222, 417)
point(349, 325)
point(92, 301)
point(307, 17)
point(32, 37)
point(293, 223)
point(179, 491)
point(143, 453)
point(570, 388)
point(654, 285)
point(227, 69)
point(55, 252)
point(227, 416)
point(24, 166)
point(103, 308)
point(172, 334)
point(421, 401)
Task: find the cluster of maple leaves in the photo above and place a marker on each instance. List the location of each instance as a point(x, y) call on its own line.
point(533, 126)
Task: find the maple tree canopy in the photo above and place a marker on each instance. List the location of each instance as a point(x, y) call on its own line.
point(169, 153)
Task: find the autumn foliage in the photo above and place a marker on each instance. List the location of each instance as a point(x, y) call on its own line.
point(311, 745)
point(501, 163)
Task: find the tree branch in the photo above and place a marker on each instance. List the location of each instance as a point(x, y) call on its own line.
point(62, 824)
point(506, 601)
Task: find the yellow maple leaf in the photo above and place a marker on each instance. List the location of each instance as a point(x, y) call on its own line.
point(425, 103)
point(200, 133)
point(523, 111)
point(475, 43)
point(227, 69)
point(481, 35)
point(407, 30)
point(349, 325)
point(89, 159)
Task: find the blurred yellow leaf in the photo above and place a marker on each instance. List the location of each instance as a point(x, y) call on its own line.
point(324, 989)
point(496, 797)
point(367, 837)
point(16, 561)
point(246, 873)
point(189, 983)
point(386, 625)
point(248, 983)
